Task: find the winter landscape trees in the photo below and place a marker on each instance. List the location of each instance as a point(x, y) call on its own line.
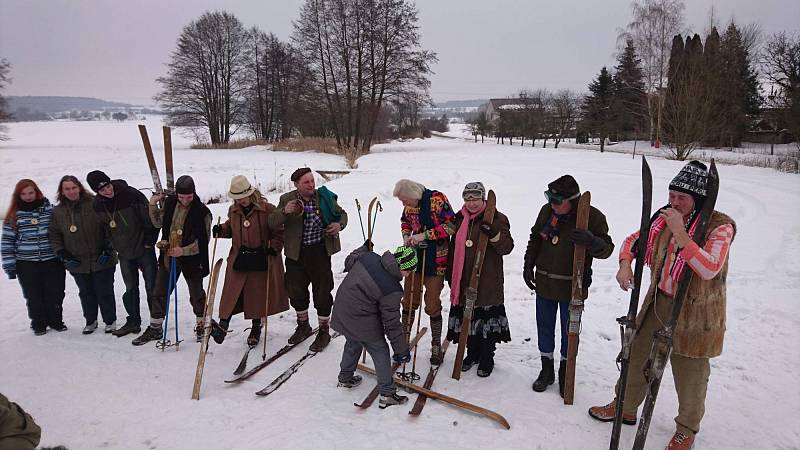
point(5, 68)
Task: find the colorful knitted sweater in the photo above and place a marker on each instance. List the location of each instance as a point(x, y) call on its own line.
point(437, 224)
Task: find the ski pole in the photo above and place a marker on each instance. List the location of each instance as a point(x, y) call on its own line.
point(408, 322)
point(424, 246)
point(175, 293)
point(266, 314)
point(375, 217)
point(358, 207)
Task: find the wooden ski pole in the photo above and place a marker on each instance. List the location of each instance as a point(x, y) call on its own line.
point(266, 312)
point(424, 246)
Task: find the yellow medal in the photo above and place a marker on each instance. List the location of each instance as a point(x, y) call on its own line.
point(468, 243)
point(246, 223)
point(112, 224)
point(73, 228)
point(35, 221)
point(179, 232)
point(554, 240)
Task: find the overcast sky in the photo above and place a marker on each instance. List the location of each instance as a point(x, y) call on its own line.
point(115, 49)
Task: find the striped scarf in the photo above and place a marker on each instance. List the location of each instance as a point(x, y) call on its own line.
point(656, 227)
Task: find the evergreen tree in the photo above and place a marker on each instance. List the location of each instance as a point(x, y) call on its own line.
point(599, 107)
point(741, 85)
point(631, 102)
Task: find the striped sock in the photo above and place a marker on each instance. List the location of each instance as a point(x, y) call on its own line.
point(156, 323)
point(324, 322)
point(302, 316)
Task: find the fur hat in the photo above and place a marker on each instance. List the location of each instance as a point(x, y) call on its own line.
point(297, 174)
point(406, 257)
point(97, 180)
point(240, 188)
point(185, 185)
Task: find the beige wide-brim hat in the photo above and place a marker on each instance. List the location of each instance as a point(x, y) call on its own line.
point(240, 188)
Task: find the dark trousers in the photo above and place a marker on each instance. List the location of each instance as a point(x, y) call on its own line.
point(96, 290)
point(42, 285)
point(130, 275)
point(379, 352)
point(313, 267)
point(546, 310)
point(194, 281)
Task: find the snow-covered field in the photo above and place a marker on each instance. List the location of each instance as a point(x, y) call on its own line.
point(98, 391)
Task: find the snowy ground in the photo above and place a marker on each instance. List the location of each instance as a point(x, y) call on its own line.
point(98, 391)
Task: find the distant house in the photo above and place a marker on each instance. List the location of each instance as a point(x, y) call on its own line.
point(493, 107)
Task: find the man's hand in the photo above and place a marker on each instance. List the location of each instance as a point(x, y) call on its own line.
point(417, 238)
point(625, 275)
point(157, 198)
point(333, 228)
point(528, 275)
point(401, 358)
point(293, 207)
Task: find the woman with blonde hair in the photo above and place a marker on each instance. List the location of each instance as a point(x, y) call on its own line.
point(254, 274)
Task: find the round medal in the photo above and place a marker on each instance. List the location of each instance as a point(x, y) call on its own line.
point(246, 223)
point(112, 224)
point(468, 243)
point(554, 240)
point(35, 221)
point(73, 228)
point(179, 232)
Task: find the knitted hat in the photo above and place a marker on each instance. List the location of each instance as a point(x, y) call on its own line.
point(240, 188)
point(406, 257)
point(97, 180)
point(473, 191)
point(691, 180)
point(297, 174)
point(185, 185)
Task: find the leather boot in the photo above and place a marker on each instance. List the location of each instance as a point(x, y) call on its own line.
point(546, 376)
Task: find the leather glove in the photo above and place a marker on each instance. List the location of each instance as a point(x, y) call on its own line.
point(215, 230)
point(12, 275)
point(528, 275)
point(70, 262)
point(587, 278)
point(401, 358)
point(489, 229)
point(587, 239)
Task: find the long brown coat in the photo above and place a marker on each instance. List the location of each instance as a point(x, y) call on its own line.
point(252, 286)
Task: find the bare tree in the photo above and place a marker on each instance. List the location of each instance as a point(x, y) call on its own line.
point(566, 105)
point(780, 63)
point(651, 29)
point(5, 68)
point(362, 54)
point(205, 82)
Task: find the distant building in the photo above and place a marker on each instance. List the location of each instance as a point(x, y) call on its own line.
point(493, 107)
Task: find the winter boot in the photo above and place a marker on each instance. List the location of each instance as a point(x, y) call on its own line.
point(39, 330)
point(473, 354)
point(322, 339)
point(59, 326)
point(219, 330)
point(302, 331)
point(255, 333)
point(486, 363)
point(436, 341)
point(680, 441)
point(354, 381)
point(391, 400)
point(606, 414)
point(546, 376)
point(151, 333)
point(562, 373)
point(110, 327)
point(199, 329)
point(90, 327)
point(127, 329)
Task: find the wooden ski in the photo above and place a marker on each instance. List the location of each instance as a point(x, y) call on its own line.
point(201, 361)
point(373, 394)
point(578, 297)
point(434, 370)
point(284, 350)
point(446, 399)
point(151, 161)
point(168, 159)
point(471, 295)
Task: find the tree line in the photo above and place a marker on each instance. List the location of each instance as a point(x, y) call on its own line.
point(350, 69)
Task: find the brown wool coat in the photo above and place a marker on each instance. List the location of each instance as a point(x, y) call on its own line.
point(700, 330)
point(252, 286)
point(490, 286)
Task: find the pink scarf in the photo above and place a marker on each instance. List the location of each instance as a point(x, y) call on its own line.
point(460, 252)
point(655, 228)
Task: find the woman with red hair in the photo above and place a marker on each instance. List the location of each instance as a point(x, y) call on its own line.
point(28, 256)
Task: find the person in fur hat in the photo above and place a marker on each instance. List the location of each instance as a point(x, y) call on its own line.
point(700, 329)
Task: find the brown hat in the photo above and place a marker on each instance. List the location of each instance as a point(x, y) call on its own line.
point(240, 188)
point(297, 174)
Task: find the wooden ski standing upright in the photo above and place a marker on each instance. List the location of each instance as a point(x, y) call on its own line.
point(209, 311)
point(471, 295)
point(578, 298)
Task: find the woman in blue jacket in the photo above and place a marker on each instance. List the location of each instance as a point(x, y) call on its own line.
point(28, 256)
